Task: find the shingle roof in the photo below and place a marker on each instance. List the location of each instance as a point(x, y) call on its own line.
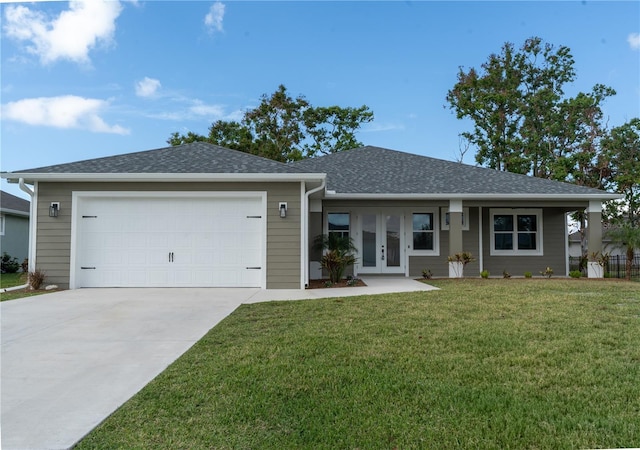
point(196, 157)
point(375, 170)
point(13, 203)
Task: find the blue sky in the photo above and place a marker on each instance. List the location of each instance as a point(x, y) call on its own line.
point(81, 80)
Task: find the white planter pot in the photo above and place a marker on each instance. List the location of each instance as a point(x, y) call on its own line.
point(594, 270)
point(456, 269)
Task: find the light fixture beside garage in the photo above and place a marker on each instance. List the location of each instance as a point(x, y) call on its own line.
point(282, 206)
point(54, 209)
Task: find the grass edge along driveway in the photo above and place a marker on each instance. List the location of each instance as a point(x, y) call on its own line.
point(480, 363)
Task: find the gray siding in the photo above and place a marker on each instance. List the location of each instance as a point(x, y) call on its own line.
point(553, 247)
point(53, 248)
point(438, 265)
point(15, 241)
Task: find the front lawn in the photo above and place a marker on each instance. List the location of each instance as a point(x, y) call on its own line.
point(8, 280)
point(478, 364)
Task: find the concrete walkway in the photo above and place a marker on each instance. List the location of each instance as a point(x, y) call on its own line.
point(71, 358)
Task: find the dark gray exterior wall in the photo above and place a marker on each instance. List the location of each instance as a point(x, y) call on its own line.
point(554, 248)
point(15, 240)
point(53, 247)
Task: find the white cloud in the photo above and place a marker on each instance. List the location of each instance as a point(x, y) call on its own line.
point(213, 19)
point(634, 41)
point(200, 109)
point(67, 112)
point(70, 35)
point(147, 87)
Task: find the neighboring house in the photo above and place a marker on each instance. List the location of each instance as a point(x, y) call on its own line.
point(575, 246)
point(14, 226)
point(203, 215)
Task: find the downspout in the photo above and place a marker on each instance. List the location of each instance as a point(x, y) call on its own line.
point(305, 221)
point(32, 224)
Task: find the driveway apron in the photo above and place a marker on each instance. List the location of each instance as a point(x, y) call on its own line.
point(69, 359)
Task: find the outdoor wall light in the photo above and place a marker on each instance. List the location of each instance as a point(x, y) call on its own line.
point(282, 206)
point(54, 209)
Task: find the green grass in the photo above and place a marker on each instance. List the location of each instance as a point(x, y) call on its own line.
point(478, 364)
point(8, 280)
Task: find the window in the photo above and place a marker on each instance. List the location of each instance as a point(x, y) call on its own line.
point(516, 232)
point(423, 232)
point(445, 219)
point(338, 224)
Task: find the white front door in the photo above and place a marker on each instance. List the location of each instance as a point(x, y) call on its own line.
point(380, 243)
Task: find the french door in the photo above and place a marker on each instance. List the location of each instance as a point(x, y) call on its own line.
point(381, 243)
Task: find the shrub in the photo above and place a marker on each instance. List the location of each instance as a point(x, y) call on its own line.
point(36, 278)
point(8, 264)
point(484, 274)
point(506, 274)
point(25, 265)
point(575, 274)
point(528, 274)
point(547, 272)
point(426, 274)
point(339, 254)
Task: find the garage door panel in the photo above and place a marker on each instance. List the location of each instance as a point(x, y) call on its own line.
point(138, 241)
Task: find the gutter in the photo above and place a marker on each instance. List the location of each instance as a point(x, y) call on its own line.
point(164, 177)
point(33, 219)
point(480, 196)
point(305, 228)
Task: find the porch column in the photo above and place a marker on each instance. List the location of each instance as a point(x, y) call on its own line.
point(455, 227)
point(594, 237)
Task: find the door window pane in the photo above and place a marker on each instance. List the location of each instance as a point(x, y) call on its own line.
point(393, 241)
point(369, 240)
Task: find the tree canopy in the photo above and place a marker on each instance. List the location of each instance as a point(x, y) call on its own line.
point(522, 120)
point(621, 149)
point(285, 129)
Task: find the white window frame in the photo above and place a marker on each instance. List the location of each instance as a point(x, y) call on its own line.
point(444, 219)
point(1, 224)
point(516, 212)
point(436, 234)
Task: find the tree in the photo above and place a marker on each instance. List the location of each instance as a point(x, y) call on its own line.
point(627, 236)
point(285, 129)
point(622, 150)
point(522, 121)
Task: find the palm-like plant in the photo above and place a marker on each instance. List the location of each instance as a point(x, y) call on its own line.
point(629, 236)
point(338, 254)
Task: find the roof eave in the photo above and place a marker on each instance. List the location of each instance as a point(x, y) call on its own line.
point(13, 177)
point(14, 212)
point(457, 196)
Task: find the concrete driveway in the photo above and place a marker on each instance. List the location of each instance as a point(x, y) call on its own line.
point(71, 358)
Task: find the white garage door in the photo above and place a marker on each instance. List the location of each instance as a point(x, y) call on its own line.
point(137, 241)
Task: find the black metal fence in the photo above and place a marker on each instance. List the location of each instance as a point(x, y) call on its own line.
point(615, 267)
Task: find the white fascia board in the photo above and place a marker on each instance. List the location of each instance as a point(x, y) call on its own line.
point(149, 177)
point(603, 196)
point(14, 212)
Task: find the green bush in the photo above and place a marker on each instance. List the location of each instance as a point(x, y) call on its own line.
point(9, 264)
point(528, 274)
point(575, 274)
point(484, 274)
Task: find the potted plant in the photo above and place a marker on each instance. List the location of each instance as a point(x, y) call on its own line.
point(457, 263)
point(595, 266)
